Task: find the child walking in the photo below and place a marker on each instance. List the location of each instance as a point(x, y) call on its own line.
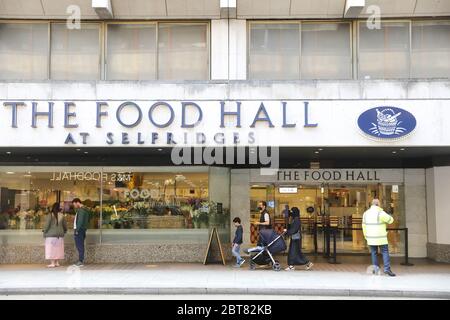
point(237, 241)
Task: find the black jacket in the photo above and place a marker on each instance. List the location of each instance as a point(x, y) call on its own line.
point(238, 235)
point(294, 227)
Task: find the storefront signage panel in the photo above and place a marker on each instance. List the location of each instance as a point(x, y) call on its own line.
point(305, 176)
point(116, 123)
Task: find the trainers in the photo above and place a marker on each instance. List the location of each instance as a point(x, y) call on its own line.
point(290, 268)
point(389, 273)
point(242, 262)
point(79, 264)
point(237, 266)
point(309, 266)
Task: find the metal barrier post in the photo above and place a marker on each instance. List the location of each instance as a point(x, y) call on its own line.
point(406, 263)
point(334, 257)
point(326, 241)
point(315, 237)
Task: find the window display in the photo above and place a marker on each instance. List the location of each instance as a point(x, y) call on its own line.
point(133, 201)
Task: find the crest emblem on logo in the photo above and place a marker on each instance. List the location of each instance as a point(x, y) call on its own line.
point(386, 122)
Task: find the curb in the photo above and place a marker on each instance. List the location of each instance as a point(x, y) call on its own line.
point(214, 291)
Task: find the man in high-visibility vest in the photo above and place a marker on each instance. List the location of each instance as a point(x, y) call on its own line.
point(374, 229)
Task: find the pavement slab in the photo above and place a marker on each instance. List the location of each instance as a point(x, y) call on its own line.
point(423, 280)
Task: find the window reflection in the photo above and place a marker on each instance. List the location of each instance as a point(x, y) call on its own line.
point(153, 200)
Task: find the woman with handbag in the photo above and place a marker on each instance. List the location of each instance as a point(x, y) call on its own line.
point(295, 255)
point(55, 227)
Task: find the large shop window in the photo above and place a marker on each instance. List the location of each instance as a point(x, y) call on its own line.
point(23, 51)
point(126, 207)
point(131, 52)
point(304, 50)
point(75, 53)
point(183, 51)
point(342, 205)
point(165, 51)
point(430, 52)
point(274, 51)
point(384, 52)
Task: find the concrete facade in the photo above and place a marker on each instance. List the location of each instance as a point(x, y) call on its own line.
point(338, 103)
point(438, 188)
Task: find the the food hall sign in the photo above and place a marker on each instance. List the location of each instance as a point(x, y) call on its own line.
point(151, 122)
point(333, 176)
point(197, 123)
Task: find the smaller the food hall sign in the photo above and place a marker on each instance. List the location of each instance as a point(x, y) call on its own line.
point(338, 175)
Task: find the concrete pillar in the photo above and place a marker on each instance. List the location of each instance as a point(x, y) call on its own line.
point(228, 49)
point(240, 201)
point(219, 185)
point(415, 212)
point(219, 191)
point(438, 217)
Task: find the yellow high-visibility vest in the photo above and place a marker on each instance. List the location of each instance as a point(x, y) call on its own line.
point(374, 226)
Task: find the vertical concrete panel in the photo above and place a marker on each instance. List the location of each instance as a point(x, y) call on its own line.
point(228, 49)
point(219, 185)
point(415, 212)
point(238, 49)
point(219, 49)
point(442, 192)
point(240, 200)
point(431, 210)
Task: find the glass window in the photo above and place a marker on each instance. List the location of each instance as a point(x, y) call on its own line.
point(274, 51)
point(384, 53)
point(26, 199)
point(183, 51)
point(23, 51)
point(141, 206)
point(75, 53)
point(326, 51)
point(430, 52)
point(154, 200)
point(131, 52)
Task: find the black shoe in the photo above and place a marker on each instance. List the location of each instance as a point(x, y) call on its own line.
point(389, 273)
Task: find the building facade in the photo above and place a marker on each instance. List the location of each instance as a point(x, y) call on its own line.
point(160, 114)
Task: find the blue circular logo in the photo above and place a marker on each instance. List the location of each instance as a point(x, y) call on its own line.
point(386, 122)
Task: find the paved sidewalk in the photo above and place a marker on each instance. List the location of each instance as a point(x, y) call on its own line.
point(424, 280)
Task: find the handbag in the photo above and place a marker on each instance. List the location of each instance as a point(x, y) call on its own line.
point(296, 236)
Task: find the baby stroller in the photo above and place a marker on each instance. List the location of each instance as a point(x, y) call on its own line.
point(269, 243)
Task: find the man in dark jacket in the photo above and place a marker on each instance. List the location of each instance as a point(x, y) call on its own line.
point(80, 226)
point(237, 241)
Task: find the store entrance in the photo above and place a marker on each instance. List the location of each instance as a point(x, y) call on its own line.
point(342, 206)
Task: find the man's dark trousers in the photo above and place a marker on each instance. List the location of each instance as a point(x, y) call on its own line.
point(80, 236)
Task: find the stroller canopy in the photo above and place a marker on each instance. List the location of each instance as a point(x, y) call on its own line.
point(266, 236)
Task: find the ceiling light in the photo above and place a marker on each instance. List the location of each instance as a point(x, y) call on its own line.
point(8, 152)
point(9, 172)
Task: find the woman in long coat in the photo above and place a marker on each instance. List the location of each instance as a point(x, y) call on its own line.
point(295, 255)
point(55, 228)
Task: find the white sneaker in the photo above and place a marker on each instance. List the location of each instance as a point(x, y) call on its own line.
point(290, 268)
point(309, 266)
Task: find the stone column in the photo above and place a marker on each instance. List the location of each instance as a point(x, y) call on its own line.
point(438, 217)
point(416, 212)
point(219, 185)
point(240, 201)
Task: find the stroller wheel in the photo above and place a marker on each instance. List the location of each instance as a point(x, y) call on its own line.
point(252, 265)
point(276, 266)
